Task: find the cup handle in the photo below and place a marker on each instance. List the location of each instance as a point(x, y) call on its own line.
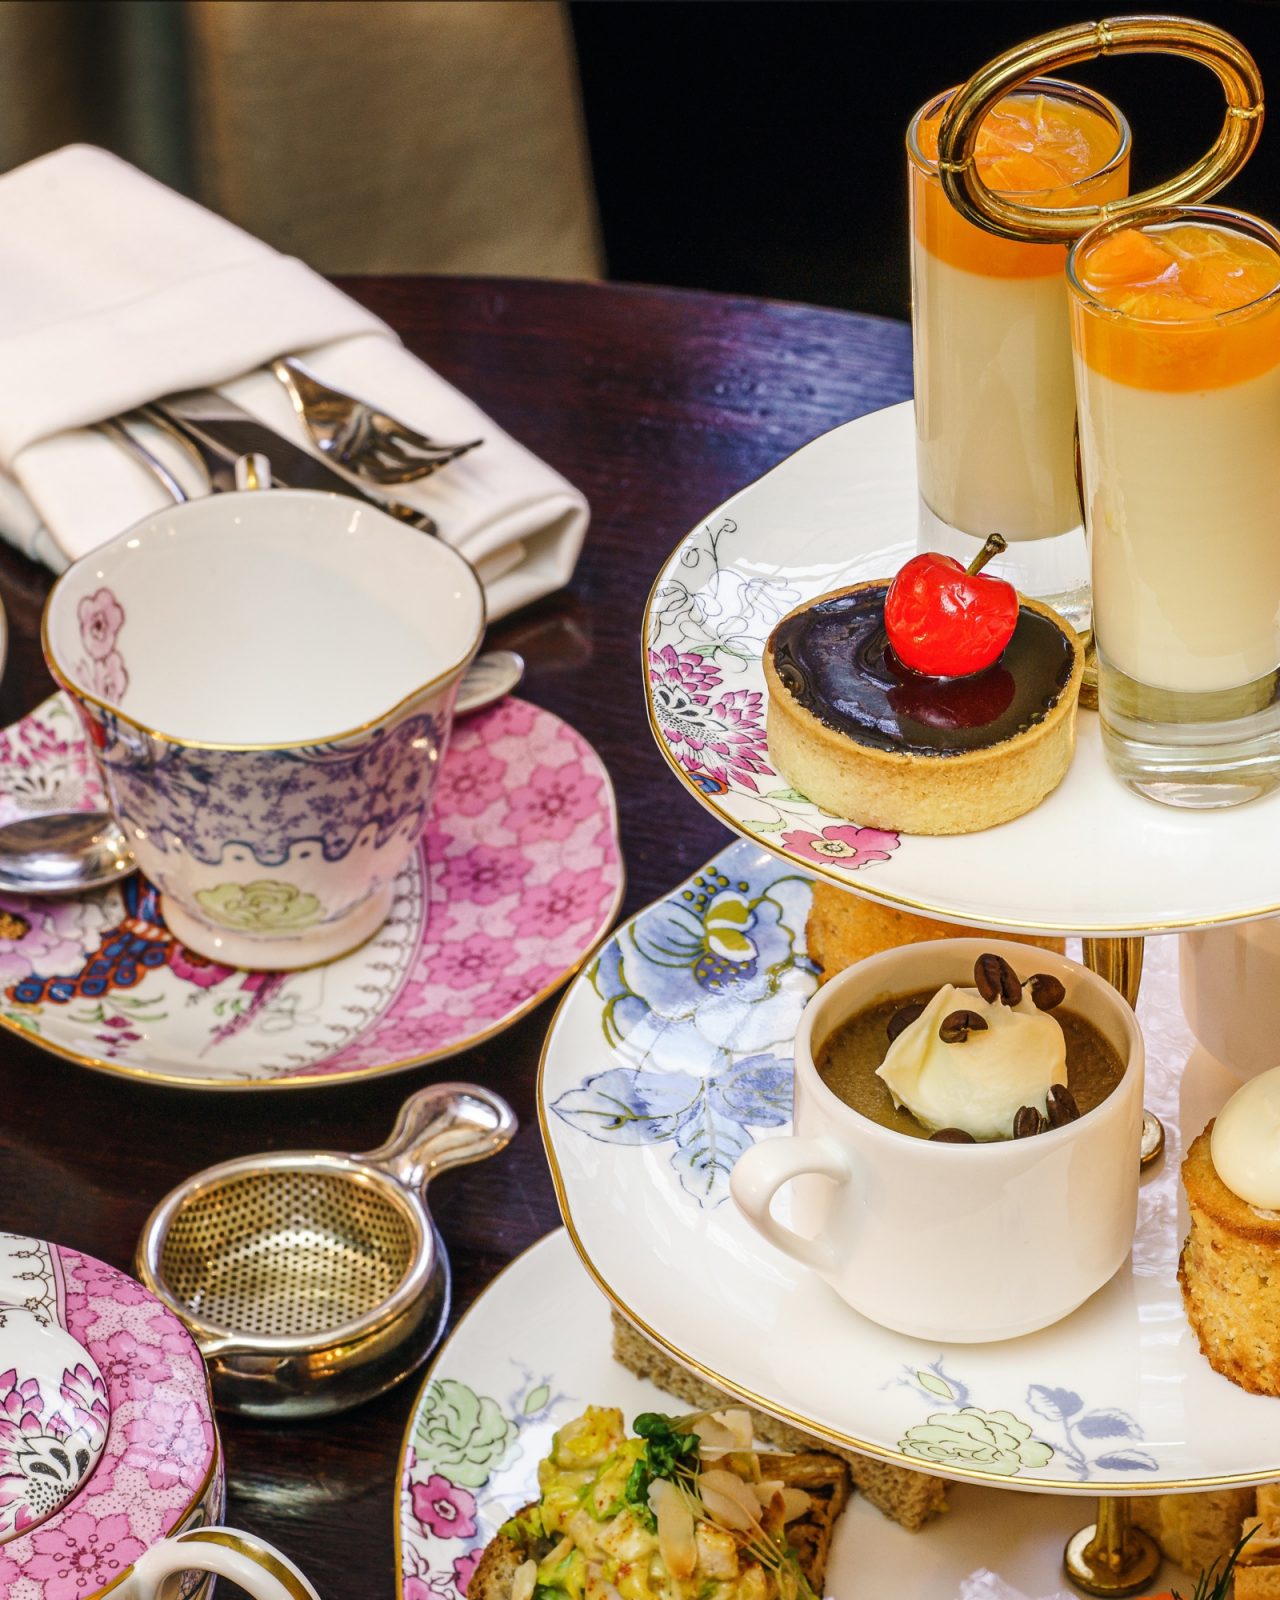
point(256, 1566)
point(761, 1171)
point(444, 1125)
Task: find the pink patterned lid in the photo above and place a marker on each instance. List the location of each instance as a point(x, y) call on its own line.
point(136, 1399)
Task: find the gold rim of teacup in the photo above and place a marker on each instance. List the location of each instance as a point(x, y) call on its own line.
point(64, 680)
point(1201, 42)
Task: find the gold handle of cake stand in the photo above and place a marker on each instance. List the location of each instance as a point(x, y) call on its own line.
point(1221, 52)
point(1111, 1556)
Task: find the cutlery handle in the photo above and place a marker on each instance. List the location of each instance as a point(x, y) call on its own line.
point(116, 431)
point(444, 1125)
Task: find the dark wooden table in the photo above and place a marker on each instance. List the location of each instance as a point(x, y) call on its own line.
point(658, 404)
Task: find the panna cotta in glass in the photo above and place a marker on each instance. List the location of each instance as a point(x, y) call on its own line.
point(995, 403)
point(1176, 325)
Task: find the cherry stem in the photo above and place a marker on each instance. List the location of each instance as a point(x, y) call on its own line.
point(996, 545)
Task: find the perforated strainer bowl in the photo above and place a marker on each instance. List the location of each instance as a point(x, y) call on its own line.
point(313, 1280)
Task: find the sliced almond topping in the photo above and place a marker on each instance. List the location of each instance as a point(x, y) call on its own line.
point(676, 1543)
point(726, 1430)
point(731, 1487)
point(795, 1503)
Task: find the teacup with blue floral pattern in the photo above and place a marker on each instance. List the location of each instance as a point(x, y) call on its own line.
point(268, 683)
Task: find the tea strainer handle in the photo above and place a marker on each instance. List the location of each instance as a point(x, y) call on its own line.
point(444, 1125)
point(259, 1568)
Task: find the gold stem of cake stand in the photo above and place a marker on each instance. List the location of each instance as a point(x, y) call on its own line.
point(1111, 1556)
point(1118, 961)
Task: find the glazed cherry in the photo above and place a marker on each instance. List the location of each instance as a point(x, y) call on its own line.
point(949, 621)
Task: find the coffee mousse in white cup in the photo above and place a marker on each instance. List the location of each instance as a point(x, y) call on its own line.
point(268, 681)
point(959, 1237)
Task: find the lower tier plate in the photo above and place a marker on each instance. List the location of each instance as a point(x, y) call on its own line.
point(671, 1053)
point(493, 1398)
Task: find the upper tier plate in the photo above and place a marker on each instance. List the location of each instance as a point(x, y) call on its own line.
point(1092, 858)
point(672, 1053)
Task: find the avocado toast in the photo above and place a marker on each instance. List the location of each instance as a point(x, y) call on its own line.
point(683, 1509)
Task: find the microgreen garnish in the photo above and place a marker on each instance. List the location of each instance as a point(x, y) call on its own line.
point(1213, 1584)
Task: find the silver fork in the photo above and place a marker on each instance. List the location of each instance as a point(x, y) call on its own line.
point(357, 435)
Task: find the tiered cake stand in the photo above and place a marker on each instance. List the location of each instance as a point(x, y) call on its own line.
point(1093, 861)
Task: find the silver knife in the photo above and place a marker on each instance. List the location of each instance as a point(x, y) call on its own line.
point(228, 431)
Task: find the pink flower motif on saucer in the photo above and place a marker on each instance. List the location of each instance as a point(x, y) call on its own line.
point(193, 968)
point(475, 960)
point(519, 988)
point(553, 802)
point(80, 1553)
point(716, 734)
point(446, 1509)
point(842, 846)
point(567, 899)
point(486, 873)
point(471, 789)
point(37, 939)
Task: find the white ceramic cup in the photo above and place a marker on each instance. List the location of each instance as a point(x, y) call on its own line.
point(952, 1242)
point(1229, 981)
point(268, 681)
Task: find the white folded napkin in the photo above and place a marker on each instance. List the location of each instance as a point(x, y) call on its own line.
point(116, 291)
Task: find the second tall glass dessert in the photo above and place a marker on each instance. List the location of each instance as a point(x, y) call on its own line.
point(1176, 321)
point(995, 401)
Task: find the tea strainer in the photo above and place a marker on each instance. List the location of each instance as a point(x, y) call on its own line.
point(313, 1280)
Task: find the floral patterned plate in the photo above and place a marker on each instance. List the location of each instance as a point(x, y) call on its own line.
point(148, 1414)
point(489, 1405)
point(842, 510)
point(671, 1053)
point(521, 872)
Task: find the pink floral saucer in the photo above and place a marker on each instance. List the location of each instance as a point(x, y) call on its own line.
point(138, 1400)
point(521, 871)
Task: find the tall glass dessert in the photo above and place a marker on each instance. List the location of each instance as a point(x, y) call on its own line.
point(995, 404)
point(1176, 324)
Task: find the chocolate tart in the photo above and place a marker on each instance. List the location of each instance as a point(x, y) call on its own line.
point(866, 738)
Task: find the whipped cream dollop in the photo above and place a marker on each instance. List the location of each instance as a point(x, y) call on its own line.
point(980, 1083)
point(1245, 1142)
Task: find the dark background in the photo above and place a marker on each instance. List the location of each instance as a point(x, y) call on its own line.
point(757, 148)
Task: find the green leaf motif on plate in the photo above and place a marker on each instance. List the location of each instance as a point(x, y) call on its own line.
point(462, 1434)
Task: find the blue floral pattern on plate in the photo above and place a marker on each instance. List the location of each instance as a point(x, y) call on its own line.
point(714, 977)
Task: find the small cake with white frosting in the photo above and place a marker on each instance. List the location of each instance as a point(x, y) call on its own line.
point(1230, 1266)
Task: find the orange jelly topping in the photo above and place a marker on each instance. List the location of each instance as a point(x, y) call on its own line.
point(1174, 286)
point(1038, 149)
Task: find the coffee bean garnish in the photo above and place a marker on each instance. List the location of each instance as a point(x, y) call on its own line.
point(1062, 1106)
point(903, 1019)
point(1027, 1122)
point(996, 980)
point(1046, 991)
point(952, 1136)
point(956, 1026)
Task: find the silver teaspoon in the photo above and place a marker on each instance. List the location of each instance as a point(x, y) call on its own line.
point(70, 852)
point(63, 852)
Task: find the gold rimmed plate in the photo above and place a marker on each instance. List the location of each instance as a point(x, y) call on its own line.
point(1093, 858)
point(519, 874)
point(671, 1054)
